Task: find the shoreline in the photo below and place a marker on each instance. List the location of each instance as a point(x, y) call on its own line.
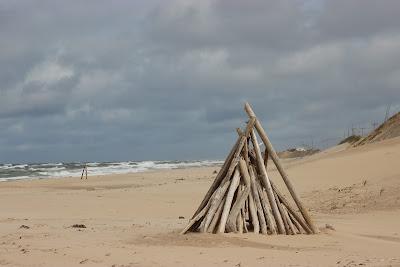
point(179, 165)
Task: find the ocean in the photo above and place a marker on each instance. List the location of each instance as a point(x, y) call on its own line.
point(74, 169)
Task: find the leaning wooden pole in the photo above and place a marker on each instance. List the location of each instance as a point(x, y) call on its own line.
point(241, 198)
point(221, 174)
point(263, 219)
point(285, 177)
point(291, 210)
point(267, 184)
point(228, 202)
point(225, 173)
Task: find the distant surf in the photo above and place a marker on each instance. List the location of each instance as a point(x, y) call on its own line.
point(54, 170)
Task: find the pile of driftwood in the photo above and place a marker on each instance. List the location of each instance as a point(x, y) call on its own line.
point(242, 197)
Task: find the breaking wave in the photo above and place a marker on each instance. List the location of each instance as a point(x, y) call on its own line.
point(74, 169)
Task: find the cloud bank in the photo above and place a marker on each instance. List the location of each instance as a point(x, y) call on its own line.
point(101, 80)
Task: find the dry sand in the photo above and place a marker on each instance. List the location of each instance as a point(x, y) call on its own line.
point(133, 220)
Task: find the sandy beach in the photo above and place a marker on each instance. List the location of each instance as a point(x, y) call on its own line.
point(135, 219)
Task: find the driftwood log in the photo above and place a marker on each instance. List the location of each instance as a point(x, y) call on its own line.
point(267, 184)
point(243, 198)
point(240, 200)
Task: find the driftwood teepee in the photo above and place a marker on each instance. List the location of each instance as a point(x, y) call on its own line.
point(242, 198)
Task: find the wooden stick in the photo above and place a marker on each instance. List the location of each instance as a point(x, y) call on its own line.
point(280, 208)
point(237, 153)
point(236, 156)
point(214, 203)
point(217, 216)
point(221, 174)
point(246, 203)
point(267, 212)
point(231, 223)
point(239, 223)
point(256, 197)
point(228, 202)
point(285, 177)
point(244, 221)
point(291, 209)
point(242, 196)
point(289, 221)
point(231, 169)
point(296, 223)
point(228, 168)
point(246, 210)
point(195, 219)
point(253, 215)
point(86, 171)
point(267, 184)
point(246, 152)
point(217, 193)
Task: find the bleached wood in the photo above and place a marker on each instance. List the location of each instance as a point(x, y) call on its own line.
point(257, 202)
point(278, 164)
point(229, 164)
point(246, 152)
point(195, 219)
point(231, 223)
point(253, 215)
point(245, 210)
point(267, 211)
point(214, 203)
point(245, 230)
point(299, 229)
point(291, 210)
point(282, 213)
point(266, 183)
point(228, 202)
point(217, 216)
point(221, 174)
point(246, 203)
point(202, 225)
point(239, 223)
point(290, 223)
point(217, 194)
point(242, 196)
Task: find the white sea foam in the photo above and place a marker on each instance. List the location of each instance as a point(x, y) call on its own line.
point(55, 170)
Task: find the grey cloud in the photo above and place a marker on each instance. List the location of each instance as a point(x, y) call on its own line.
point(96, 80)
point(358, 19)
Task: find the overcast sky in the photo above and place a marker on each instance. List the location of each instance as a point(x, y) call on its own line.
point(142, 80)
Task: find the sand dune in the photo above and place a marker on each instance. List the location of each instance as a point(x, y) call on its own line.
point(388, 129)
point(134, 220)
